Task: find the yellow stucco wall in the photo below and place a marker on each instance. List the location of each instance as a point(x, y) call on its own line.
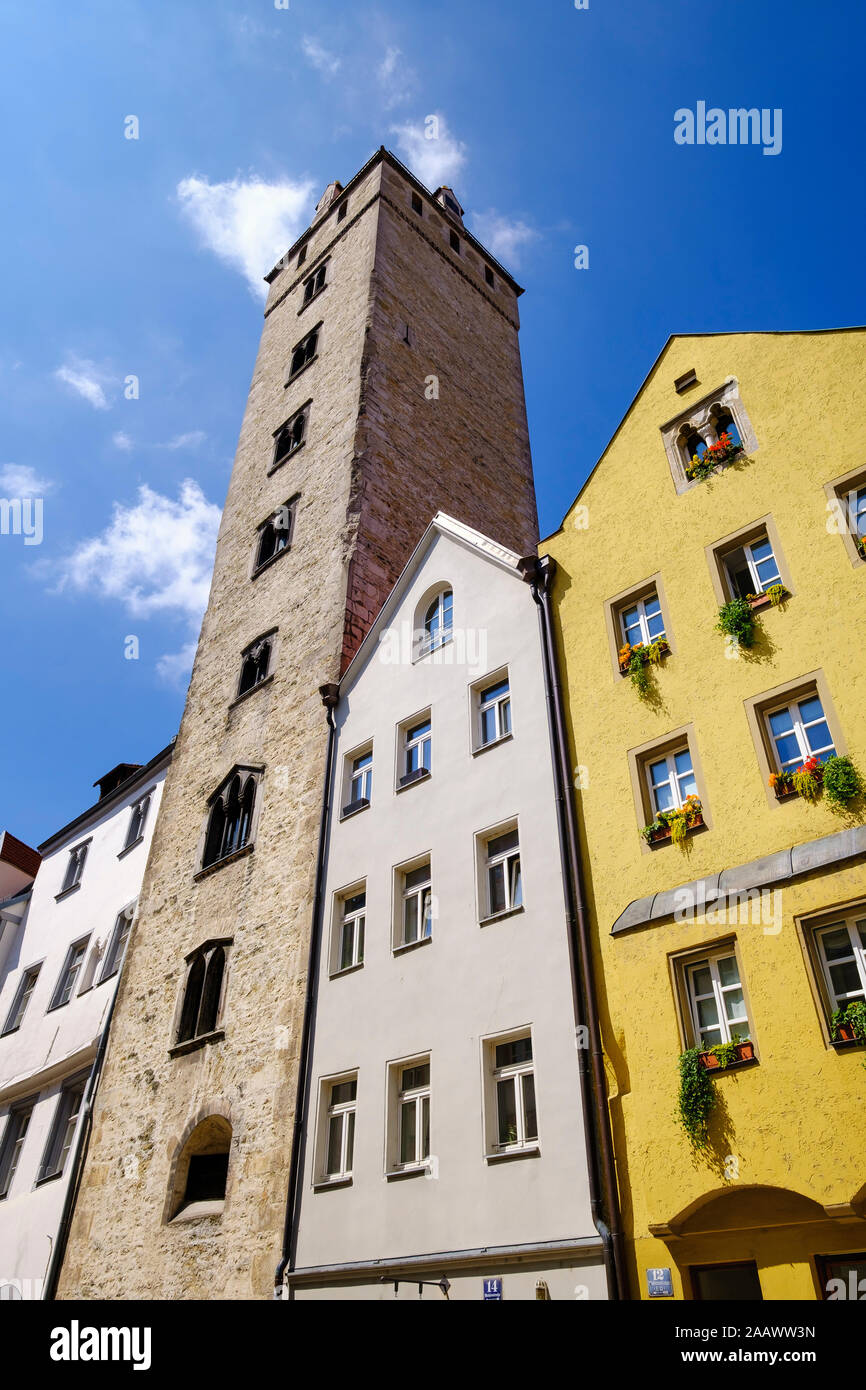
point(795, 1121)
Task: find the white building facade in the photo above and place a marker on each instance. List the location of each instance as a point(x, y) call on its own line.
point(443, 1136)
point(62, 944)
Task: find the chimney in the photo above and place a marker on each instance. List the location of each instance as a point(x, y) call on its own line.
point(110, 781)
point(331, 193)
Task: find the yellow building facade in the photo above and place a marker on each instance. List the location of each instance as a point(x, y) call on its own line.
point(752, 925)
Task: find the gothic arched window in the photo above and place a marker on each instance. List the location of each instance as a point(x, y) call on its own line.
point(725, 423)
point(230, 819)
point(290, 436)
point(202, 991)
point(275, 534)
point(255, 665)
point(438, 621)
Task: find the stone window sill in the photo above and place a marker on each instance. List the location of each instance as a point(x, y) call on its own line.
point(131, 846)
point(290, 381)
point(505, 1155)
point(252, 690)
point(195, 1211)
point(500, 916)
point(271, 560)
point(419, 1170)
point(221, 863)
point(290, 455)
point(347, 970)
point(193, 1044)
point(411, 945)
point(354, 808)
point(329, 1184)
point(67, 892)
point(494, 743)
point(414, 781)
point(313, 297)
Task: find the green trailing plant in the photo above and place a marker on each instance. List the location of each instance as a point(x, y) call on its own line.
point(737, 620)
point(842, 781)
point(696, 1099)
point(638, 673)
point(777, 593)
point(727, 1051)
point(808, 779)
point(855, 1017)
point(678, 821)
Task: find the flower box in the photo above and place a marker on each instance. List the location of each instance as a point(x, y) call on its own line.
point(745, 1052)
point(716, 456)
point(845, 1032)
point(664, 831)
point(646, 652)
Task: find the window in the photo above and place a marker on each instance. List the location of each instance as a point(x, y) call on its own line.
point(642, 621)
point(671, 779)
point(842, 952)
point(23, 993)
point(342, 209)
point(255, 665)
point(117, 946)
point(200, 1170)
point(138, 816)
point(304, 353)
point(716, 1001)
point(315, 283)
point(340, 1139)
point(417, 739)
point(358, 783)
point(692, 432)
point(842, 1276)
point(724, 423)
point(17, 1124)
point(800, 731)
point(751, 569)
point(275, 534)
point(290, 436)
point(63, 1129)
point(737, 1283)
point(494, 712)
point(353, 915)
point(203, 990)
point(74, 868)
point(488, 275)
point(302, 255)
point(413, 1115)
point(231, 817)
point(69, 974)
point(438, 622)
point(455, 242)
point(514, 1089)
point(504, 883)
point(417, 205)
point(416, 905)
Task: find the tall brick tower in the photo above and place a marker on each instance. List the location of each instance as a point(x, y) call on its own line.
point(387, 386)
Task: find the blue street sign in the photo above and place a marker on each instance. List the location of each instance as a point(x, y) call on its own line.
point(659, 1283)
point(493, 1289)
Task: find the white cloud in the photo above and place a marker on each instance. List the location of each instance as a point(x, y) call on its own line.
point(504, 236)
point(319, 57)
point(155, 557)
point(430, 150)
point(19, 480)
point(397, 80)
point(121, 441)
point(248, 224)
point(86, 379)
point(191, 440)
point(174, 667)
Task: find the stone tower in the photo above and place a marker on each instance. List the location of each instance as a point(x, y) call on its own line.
point(390, 354)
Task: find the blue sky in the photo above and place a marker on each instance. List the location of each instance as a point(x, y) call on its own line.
point(141, 258)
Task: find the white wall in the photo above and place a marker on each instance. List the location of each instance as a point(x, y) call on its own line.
point(53, 1044)
point(471, 981)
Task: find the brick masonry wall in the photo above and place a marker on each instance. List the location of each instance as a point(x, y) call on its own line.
point(379, 460)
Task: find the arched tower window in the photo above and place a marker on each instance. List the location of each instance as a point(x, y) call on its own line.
point(275, 534)
point(255, 666)
point(202, 992)
point(230, 819)
point(200, 1171)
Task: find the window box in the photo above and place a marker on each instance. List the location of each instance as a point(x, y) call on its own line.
point(675, 825)
point(418, 774)
point(360, 804)
point(848, 1024)
point(836, 776)
point(735, 1053)
point(776, 594)
point(644, 651)
point(717, 455)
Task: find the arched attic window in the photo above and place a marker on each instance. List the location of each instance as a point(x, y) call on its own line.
point(691, 444)
point(724, 423)
point(438, 626)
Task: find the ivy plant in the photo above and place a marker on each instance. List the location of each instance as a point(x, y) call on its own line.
point(737, 620)
point(697, 1097)
point(842, 781)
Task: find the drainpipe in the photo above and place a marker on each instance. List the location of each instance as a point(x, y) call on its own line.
point(52, 1277)
point(330, 697)
point(604, 1198)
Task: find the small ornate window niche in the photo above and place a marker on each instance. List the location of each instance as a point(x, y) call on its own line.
point(256, 664)
point(232, 818)
point(708, 436)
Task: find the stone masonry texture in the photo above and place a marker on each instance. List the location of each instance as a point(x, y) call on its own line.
point(380, 458)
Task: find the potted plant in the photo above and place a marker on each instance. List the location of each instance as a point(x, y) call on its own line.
point(842, 781)
point(697, 1097)
point(727, 1054)
point(861, 545)
point(782, 785)
point(849, 1024)
point(737, 620)
point(642, 653)
point(702, 465)
point(676, 824)
point(775, 595)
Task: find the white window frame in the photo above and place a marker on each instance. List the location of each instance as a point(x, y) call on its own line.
point(759, 586)
point(858, 956)
point(118, 942)
point(362, 776)
point(69, 975)
point(10, 1149)
point(416, 893)
point(430, 642)
point(409, 745)
point(673, 778)
point(643, 620)
point(509, 861)
point(513, 1073)
point(419, 1097)
point(67, 1114)
point(799, 729)
point(857, 511)
point(345, 1112)
point(499, 704)
point(354, 921)
point(21, 999)
point(727, 1027)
